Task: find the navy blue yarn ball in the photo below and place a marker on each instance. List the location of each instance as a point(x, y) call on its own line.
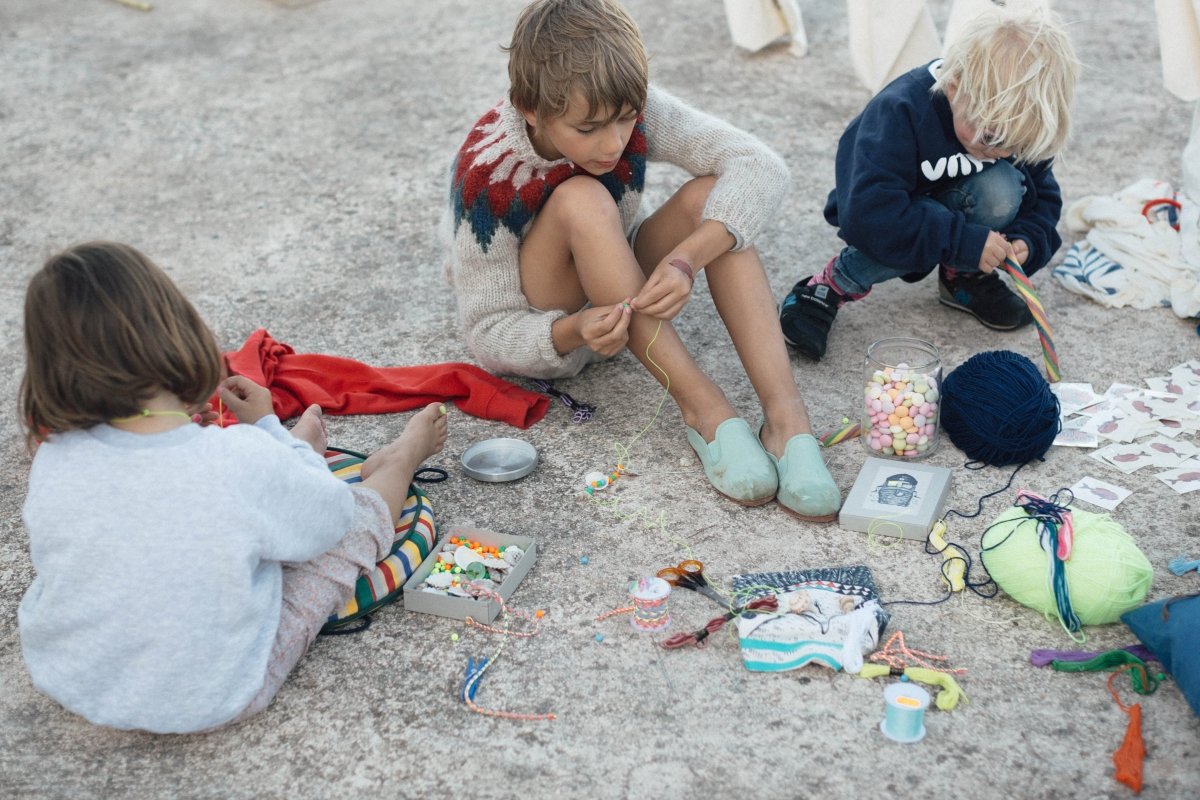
point(997, 408)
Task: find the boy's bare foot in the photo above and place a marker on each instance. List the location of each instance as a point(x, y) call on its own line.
point(311, 429)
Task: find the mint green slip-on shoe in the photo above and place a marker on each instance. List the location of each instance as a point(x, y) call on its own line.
point(736, 464)
point(806, 489)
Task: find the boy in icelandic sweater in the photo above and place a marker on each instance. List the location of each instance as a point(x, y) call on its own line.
point(949, 166)
point(554, 268)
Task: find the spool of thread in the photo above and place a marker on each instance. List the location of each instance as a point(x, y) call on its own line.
point(904, 712)
point(997, 408)
point(650, 612)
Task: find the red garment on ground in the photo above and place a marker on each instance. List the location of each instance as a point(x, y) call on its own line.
point(344, 386)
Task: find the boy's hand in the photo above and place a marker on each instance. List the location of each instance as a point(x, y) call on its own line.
point(995, 250)
point(667, 291)
point(246, 399)
point(1020, 251)
point(605, 329)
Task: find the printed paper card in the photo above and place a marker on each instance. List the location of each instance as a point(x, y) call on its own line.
point(1100, 493)
point(1074, 396)
point(1125, 457)
point(1116, 425)
point(1186, 375)
point(1184, 478)
point(1119, 390)
point(1169, 453)
point(1160, 384)
point(1073, 434)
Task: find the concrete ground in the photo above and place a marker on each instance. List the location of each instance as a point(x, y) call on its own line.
point(288, 167)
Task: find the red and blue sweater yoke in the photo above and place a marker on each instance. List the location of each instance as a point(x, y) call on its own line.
point(485, 191)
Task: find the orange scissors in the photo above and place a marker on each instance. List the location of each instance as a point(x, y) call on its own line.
point(689, 574)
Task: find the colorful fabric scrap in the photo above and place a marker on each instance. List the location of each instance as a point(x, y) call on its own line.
point(827, 616)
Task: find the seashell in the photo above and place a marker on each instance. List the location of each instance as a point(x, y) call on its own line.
point(439, 580)
point(465, 556)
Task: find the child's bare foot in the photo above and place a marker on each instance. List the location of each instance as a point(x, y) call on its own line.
point(389, 470)
point(311, 429)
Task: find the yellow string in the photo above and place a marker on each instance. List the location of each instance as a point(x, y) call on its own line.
point(624, 450)
point(145, 412)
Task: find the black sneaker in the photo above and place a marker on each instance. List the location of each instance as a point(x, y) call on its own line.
point(806, 315)
point(984, 296)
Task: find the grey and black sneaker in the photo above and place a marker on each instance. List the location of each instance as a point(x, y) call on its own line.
point(806, 316)
point(984, 296)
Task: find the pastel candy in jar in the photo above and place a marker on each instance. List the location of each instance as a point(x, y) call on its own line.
point(900, 402)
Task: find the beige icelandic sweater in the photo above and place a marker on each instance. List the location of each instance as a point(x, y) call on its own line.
point(500, 183)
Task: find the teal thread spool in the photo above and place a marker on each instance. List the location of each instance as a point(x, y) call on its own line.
point(904, 717)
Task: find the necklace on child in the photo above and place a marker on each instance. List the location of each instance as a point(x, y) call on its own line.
point(145, 412)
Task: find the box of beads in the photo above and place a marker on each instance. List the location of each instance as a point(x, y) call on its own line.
point(467, 557)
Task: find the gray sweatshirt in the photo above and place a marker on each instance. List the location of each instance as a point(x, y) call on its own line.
point(158, 585)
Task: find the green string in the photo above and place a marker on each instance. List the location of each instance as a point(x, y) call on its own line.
point(1143, 681)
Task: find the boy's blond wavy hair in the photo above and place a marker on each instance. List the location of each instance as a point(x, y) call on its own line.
point(1013, 75)
point(559, 46)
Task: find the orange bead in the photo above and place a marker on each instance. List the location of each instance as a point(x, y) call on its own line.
point(540, 614)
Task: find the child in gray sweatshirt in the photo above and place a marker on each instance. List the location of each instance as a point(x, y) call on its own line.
point(162, 600)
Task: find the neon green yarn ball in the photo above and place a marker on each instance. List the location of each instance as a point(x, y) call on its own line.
point(1107, 574)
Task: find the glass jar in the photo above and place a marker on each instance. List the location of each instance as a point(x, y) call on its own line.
point(903, 382)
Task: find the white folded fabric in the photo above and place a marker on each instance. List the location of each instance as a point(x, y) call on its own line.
point(1128, 260)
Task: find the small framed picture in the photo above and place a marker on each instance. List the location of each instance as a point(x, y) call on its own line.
point(896, 498)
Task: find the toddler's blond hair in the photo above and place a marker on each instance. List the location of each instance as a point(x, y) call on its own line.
point(1013, 75)
point(559, 46)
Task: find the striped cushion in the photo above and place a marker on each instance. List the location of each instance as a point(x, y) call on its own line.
point(415, 537)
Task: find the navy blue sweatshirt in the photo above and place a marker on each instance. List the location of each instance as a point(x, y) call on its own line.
point(903, 145)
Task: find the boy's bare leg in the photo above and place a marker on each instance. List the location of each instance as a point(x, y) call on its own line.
point(390, 470)
point(743, 298)
point(576, 251)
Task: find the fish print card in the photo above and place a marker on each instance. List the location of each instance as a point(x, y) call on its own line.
point(1072, 434)
point(1184, 478)
point(1165, 427)
point(1165, 405)
point(1168, 384)
point(1099, 493)
point(1119, 390)
point(1126, 457)
point(1074, 396)
point(1186, 374)
point(1116, 425)
point(1169, 453)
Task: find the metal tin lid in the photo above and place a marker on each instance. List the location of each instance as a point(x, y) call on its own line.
point(499, 460)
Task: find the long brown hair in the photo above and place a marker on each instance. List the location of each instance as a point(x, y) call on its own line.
point(105, 330)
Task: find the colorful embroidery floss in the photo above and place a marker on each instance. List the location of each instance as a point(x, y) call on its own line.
point(582, 411)
point(848, 430)
point(650, 611)
point(1025, 289)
